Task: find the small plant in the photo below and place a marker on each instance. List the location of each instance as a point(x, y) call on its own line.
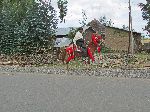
point(105, 49)
point(72, 33)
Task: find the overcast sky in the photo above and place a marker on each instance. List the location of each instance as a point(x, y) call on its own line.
point(116, 10)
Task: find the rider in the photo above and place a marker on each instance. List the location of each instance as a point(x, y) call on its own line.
point(79, 41)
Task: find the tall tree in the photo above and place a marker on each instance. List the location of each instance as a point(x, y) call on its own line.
point(145, 8)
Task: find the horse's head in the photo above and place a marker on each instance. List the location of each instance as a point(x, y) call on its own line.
point(90, 35)
point(96, 39)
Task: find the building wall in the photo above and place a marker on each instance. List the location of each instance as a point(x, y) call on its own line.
point(118, 39)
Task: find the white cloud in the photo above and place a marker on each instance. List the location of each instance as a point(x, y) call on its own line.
point(116, 10)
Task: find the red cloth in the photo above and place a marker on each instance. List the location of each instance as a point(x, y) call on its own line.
point(70, 52)
point(90, 55)
point(70, 49)
point(70, 58)
point(99, 49)
point(96, 38)
point(99, 37)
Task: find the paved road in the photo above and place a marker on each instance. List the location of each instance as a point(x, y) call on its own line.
point(20, 92)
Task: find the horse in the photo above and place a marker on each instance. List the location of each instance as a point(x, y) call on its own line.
point(92, 43)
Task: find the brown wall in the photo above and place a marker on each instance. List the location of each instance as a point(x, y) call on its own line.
point(118, 39)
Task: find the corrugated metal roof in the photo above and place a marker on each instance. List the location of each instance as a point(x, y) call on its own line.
point(62, 42)
point(65, 31)
point(62, 31)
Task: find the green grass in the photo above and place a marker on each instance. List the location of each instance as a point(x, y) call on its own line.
point(143, 56)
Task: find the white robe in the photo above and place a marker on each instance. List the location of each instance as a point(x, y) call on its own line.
point(77, 37)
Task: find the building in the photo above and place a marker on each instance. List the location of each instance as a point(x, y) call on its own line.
point(115, 38)
point(118, 39)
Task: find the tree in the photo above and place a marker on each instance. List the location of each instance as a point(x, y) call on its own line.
point(83, 22)
point(103, 20)
point(20, 7)
point(39, 24)
point(62, 5)
point(145, 8)
point(27, 31)
point(125, 27)
point(33, 31)
point(7, 28)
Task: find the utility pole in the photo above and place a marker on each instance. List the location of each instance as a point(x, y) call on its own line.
point(132, 39)
point(129, 27)
point(130, 47)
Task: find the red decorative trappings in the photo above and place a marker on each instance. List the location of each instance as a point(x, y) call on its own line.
point(99, 49)
point(99, 37)
point(70, 58)
point(90, 54)
point(70, 51)
point(94, 39)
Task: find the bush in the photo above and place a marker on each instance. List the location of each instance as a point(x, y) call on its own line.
point(32, 32)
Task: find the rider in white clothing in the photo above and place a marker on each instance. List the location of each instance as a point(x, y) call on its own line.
point(79, 41)
point(78, 36)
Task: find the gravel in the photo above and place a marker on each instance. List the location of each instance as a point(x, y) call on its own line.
point(127, 73)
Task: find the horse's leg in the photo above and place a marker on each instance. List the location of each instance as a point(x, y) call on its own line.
point(63, 56)
point(88, 62)
point(91, 56)
point(67, 66)
point(100, 57)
